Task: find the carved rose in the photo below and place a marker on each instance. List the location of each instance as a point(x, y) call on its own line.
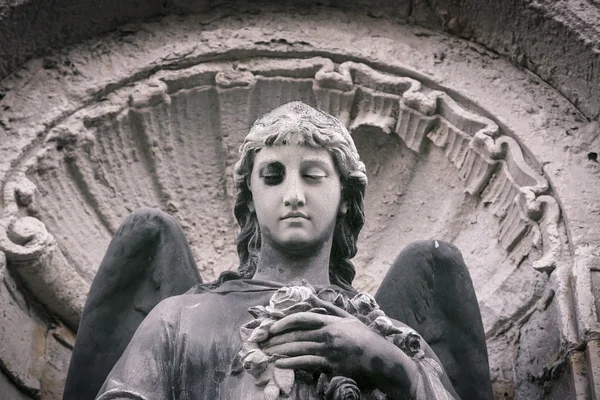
point(293, 299)
point(364, 304)
point(412, 344)
point(382, 325)
point(287, 297)
point(342, 388)
point(408, 341)
point(255, 362)
point(261, 332)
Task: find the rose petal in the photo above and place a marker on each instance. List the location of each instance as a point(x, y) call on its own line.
point(245, 333)
point(258, 311)
point(364, 303)
point(328, 295)
point(283, 304)
point(266, 323)
point(296, 308)
point(308, 285)
point(266, 377)
point(306, 291)
point(248, 348)
point(274, 314)
point(373, 315)
point(351, 308)
point(382, 325)
point(394, 329)
point(236, 365)
point(322, 384)
point(271, 392)
point(284, 378)
point(260, 334)
point(397, 339)
point(288, 296)
point(341, 301)
point(341, 387)
point(255, 356)
point(253, 323)
point(255, 363)
point(283, 297)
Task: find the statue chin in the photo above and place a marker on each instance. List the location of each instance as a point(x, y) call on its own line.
point(300, 244)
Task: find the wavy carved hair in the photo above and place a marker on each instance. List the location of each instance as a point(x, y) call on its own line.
point(304, 125)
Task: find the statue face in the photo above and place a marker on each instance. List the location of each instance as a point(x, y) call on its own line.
point(296, 192)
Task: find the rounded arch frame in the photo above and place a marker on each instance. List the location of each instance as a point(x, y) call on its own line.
point(498, 159)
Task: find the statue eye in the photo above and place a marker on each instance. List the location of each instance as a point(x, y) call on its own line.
point(314, 177)
point(314, 174)
point(273, 179)
point(272, 174)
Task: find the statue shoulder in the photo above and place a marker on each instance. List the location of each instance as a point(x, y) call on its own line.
point(170, 309)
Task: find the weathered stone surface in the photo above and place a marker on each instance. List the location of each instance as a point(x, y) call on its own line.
point(23, 339)
point(578, 384)
point(59, 343)
point(593, 361)
point(9, 390)
point(106, 117)
point(35, 258)
point(540, 352)
point(33, 351)
point(556, 40)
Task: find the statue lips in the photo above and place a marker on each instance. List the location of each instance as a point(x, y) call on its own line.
point(294, 215)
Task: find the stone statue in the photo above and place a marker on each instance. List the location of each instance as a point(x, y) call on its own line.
point(288, 323)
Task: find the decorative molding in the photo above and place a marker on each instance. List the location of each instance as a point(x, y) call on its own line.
point(149, 128)
point(35, 258)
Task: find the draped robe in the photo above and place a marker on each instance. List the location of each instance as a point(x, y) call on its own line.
point(186, 348)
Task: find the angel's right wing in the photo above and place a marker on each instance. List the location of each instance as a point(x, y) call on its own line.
point(428, 287)
point(148, 260)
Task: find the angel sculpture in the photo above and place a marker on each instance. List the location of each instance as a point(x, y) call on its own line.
point(151, 329)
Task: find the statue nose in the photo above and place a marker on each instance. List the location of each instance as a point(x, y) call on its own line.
point(294, 195)
point(294, 201)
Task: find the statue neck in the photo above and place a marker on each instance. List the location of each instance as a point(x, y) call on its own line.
point(279, 266)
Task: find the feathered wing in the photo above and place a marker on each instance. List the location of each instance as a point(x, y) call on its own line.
point(428, 287)
point(148, 260)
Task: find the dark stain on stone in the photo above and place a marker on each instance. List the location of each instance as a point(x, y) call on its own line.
point(49, 63)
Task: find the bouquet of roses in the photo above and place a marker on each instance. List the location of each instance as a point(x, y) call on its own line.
point(278, 382)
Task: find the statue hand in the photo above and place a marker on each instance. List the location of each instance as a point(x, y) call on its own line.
point(342, 345)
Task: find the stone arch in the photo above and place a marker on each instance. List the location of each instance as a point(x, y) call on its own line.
point(69, 137)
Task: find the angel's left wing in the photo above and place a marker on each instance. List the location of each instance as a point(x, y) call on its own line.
point(148, 260)
point(428, 287)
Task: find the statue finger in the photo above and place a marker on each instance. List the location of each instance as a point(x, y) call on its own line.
point(312, 335)
point(306, 362)
point(294, 349)
point(299, 321)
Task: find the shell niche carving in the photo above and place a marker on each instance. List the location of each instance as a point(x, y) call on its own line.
point(171, 140)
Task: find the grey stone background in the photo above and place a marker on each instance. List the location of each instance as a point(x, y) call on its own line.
point(557, 40)
point(531, 67)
